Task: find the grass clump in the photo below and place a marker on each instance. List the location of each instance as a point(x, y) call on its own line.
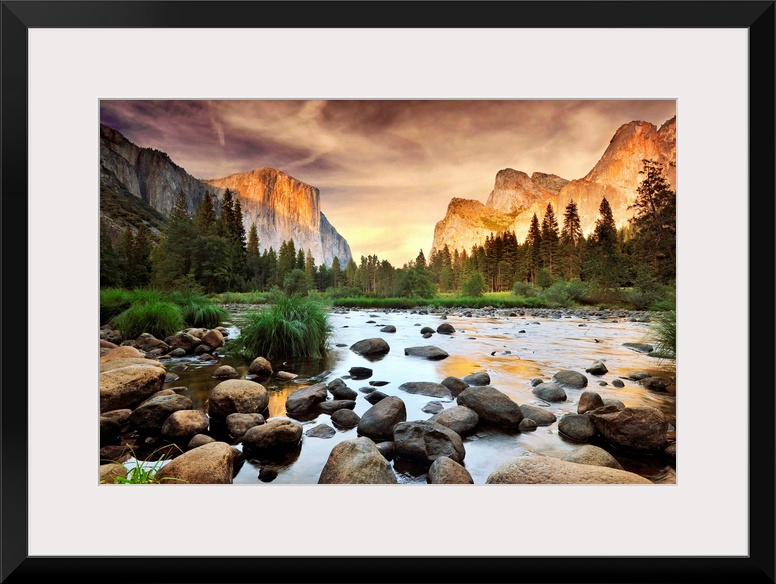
point(159, 318)
point(145, 473)
point(289, 326)
point(113, 301)
point(204, 315)
point(664, 331)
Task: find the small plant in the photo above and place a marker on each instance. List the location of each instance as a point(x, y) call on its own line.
point(290, 326)
point(664, 331)
point(143, 473)
point(159, 318)
point(203, 315)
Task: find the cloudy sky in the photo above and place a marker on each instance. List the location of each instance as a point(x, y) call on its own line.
point(386, 170)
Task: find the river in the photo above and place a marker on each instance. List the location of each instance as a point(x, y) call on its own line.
point(512, 347)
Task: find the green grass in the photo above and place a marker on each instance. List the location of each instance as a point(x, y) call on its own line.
point(442, 300)
point(113, 301)
point(289, 326)
point(144, 473)
point(159, 318)
point(204, 315)
point(239, 298)
point(664, 332)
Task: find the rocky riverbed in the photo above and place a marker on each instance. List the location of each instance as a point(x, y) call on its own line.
point(402, 396)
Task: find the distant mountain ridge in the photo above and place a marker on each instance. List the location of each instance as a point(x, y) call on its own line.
point(516, 197)
point(283, 207)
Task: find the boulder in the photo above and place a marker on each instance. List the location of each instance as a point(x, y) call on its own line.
point(550, 391)
point(378, 421)
point(181, 426)
point(455, 385)
point(213, 338)
point(492, 406)
point(534, 470)
point(639, 429)
point(429, 352)
point(304, 400)
point(275, 433)
point(592, 455)
point(357, 461)
point(127, 386)
point(370, 347)
point(199, 440)
point(445, 471)
point(428, 388)
point(184, 341)
point(445, 329)
point(589, 400)
point(424, 442)
point(209, 464)
point(225, 372)
point(321, 431)
point(149, 417)
point(597, 368)
point(237, 396)
point(260, 367)
point(331, 406)
point(110, 471)
point(459, 419)
point(238, 424)
point(542, 416)
point(148, 342)
point(571, 379)
point(345, 419)
point(122, 353)
point(578, 427)
point(480, 378)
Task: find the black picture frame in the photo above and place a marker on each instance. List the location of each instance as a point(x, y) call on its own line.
point(19, 16)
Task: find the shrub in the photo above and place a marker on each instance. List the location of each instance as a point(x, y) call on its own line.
point(557, 294)
point(473, 286)
point(297, 282)
point(523, 289)
point(290, 326)
point(159, 318)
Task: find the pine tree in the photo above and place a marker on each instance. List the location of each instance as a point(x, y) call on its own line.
point(300, 260)
point(252, 256)
point(171, 258)
point(654, 222)
point(604, 262)
point(309, 264)
point(534, 243)
point(205, 216)
point(420, 261)
point(141, 257)
point(287, 259)
point(226, 214)
point(336, 273)
point(550, 240)
point(570, 240)
point(109, 271)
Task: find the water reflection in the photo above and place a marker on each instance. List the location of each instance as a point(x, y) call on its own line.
point(513, 350)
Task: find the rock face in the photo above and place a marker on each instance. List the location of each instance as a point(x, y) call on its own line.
point(281, 206)
point(516, 197)
point(515, 191)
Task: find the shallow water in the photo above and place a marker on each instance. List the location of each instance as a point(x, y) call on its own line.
point(513, 350)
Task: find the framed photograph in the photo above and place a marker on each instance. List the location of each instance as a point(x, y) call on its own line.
point(310, 88)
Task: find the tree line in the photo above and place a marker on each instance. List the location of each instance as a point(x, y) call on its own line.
point(211, 252)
